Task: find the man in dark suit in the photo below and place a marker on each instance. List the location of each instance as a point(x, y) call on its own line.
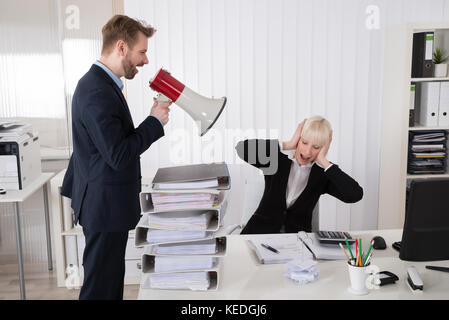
point(104, 176)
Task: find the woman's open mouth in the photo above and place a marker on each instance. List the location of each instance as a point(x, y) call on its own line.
point(305, 159)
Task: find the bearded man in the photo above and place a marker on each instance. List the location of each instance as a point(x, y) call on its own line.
point(104, 176)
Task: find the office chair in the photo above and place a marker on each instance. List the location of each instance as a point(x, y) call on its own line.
point(253, 192)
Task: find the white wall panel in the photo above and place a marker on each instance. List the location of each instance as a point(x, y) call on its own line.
point(41, 61)
point(246, 72)
point(289, 65)
point(279, 62)
point(360, 122)
point(332, 98)
point(261, 89)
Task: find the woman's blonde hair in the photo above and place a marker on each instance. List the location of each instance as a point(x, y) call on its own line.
point(316, 130)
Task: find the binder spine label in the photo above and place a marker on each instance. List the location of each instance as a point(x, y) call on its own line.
point(429, 47)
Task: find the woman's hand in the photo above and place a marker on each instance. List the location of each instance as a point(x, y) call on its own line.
point(293, 142)
point(321, 158)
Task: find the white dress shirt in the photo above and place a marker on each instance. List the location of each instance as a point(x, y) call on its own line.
point(298, 177)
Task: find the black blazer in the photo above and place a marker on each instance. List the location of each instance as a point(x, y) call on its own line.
point(272, 212)
point(104, 178)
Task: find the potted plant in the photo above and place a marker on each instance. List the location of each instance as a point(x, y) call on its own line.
point(438, 60)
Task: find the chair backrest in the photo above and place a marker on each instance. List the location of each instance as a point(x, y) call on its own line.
point(426, 227)
point(254, 188)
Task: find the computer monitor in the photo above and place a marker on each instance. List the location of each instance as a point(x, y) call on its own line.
point(426, 228)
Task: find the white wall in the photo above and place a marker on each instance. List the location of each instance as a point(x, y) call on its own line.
point(278, 62)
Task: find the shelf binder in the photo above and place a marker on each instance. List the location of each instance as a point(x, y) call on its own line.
point(411, 119)
point(443, 110)
point(422, 65)
point(429, 103)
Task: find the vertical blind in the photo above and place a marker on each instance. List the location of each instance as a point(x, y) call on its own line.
point(45, 47)
point(277, 62)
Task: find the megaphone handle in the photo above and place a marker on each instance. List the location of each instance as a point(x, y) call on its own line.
point(162, 98)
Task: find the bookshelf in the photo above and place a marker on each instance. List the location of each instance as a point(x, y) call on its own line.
point(429, 79)
point(395, 127)
point(418, 127)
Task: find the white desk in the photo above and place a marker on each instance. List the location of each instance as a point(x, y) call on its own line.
point(242, 278)
point(16, 196)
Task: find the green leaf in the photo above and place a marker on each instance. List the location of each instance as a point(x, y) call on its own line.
point(438, 56)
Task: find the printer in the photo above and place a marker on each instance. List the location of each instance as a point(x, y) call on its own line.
point(20, 159)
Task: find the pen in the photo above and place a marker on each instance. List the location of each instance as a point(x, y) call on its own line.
point(349, 248)
point(361, 252)
point(343, 249)
point(444, 269)
point(266, 246)
point(369, 250)
point(368, 259)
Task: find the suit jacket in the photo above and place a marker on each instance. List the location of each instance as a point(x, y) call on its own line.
point(104, 177)
point(272, 212)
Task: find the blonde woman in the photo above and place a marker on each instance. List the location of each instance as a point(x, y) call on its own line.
point(303, 174)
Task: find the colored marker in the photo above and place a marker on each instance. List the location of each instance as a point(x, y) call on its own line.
point(343, 249)
point(361, 253)
point(369, 250)
point(368, 259)
point(349, 248)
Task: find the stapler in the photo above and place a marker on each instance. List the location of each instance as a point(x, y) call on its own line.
point(413, 279)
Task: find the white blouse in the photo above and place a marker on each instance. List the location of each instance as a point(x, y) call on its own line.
point(297, 180)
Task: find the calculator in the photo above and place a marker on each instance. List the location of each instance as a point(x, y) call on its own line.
point(334, 237)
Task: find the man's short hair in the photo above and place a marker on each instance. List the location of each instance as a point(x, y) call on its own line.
point(121, 27)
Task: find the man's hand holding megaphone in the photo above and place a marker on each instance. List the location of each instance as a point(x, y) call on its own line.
point(203, 110)
point(160, 110)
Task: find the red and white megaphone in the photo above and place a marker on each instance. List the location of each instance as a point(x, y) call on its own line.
point(202, 109)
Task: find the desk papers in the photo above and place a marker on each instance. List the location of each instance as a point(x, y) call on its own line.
point(302, 271)
point(287, 244)
point(293, 246)
point(322, 251)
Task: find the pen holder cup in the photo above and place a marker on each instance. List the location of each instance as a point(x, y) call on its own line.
point(357, 278)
